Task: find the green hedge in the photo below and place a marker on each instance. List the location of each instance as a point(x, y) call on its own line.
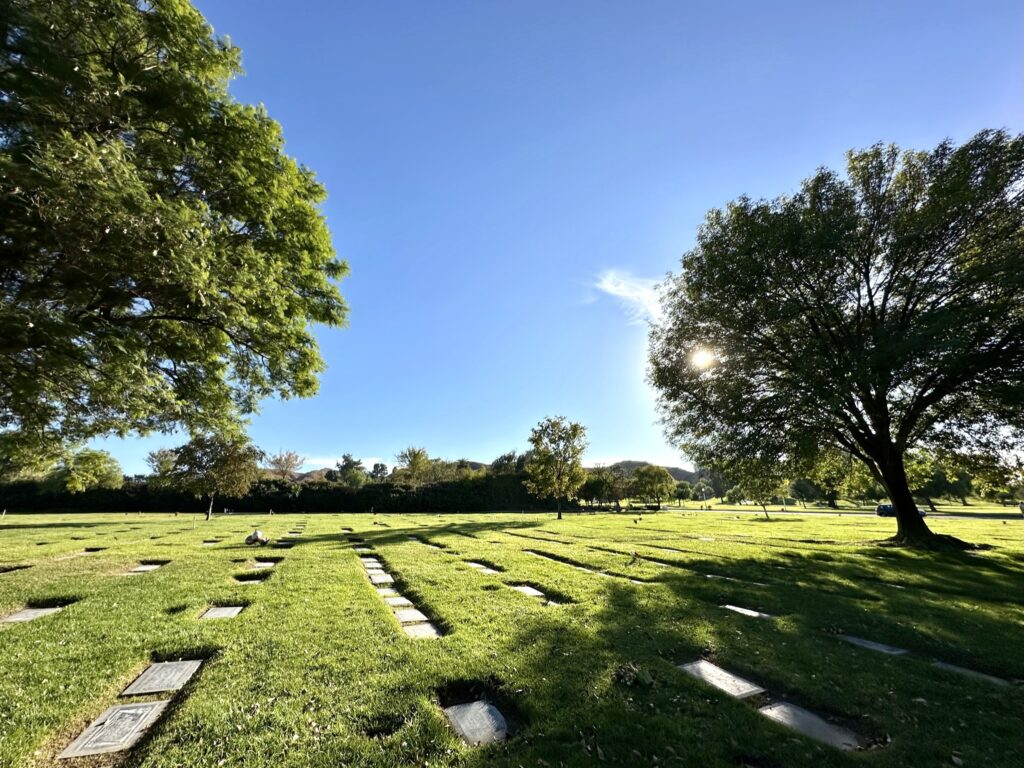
point(486, 493)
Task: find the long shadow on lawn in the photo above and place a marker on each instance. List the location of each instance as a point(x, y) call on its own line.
point(603, 685)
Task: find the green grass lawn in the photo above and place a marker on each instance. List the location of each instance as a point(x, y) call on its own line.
point(974, 506)
point(317, 672)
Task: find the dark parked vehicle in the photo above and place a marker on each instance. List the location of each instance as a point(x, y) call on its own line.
point(888, 510)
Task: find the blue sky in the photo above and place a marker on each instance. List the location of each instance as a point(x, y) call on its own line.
point(508, 180)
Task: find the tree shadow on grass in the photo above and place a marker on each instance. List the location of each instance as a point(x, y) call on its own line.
point(603, 685)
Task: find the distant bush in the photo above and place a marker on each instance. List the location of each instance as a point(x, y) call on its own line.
point(476, 493)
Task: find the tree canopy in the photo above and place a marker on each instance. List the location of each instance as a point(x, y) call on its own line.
point(162, 259)
point(869, 314)
point(285, 464)
point(652, 484)
point(555, 467)
point(86, 469)
point(215, 465)
point(350, 472)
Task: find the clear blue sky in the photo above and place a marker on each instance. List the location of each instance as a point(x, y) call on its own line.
point(508, 179)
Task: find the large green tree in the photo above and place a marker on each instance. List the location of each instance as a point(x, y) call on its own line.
point(86, 469)
point(871, 313)
point(350, 472)
point(652, 484)
point(216, 465)
point(413, 465)
point(555, 467)
point(161, 259)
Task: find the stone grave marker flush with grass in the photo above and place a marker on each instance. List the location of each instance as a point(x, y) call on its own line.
point(477, 722)
point(747, 612)
point(163, 677)
point(810, 725)
point(873, 646)
point(425, 630)
point(409, 615)
point(115, 730)
point(28, 614)
point(222, 612)
point(734, 685)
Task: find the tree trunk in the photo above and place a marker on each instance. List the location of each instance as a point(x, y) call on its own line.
point(209, 509)
point(558, 502)
point(765, 510)
point(910, 526)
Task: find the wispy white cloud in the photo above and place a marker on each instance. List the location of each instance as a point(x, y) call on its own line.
point(637, 295)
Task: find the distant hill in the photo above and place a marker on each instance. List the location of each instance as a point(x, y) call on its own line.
point(678, 473)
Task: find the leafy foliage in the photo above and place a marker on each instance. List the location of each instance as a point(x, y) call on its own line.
point(85, 470)
point(870, 314)
point(284, 464)
point(652, 484)
point(162, 259)
point(555, 467)
point(216, 465)
point(683, 491)
point(350, 472)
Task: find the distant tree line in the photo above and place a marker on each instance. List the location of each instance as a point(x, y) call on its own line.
point(227, 471)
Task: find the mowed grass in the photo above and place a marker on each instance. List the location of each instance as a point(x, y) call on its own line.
point(317, 672)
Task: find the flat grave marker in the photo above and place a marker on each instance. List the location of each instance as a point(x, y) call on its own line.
point(28, 614)
point(716, 577)
point(251, 578)
point(409, 616)
point(969, 673)
point(872, 645)
point(145, 568)
point(363, 550)
point(222, 612)
point(115, 730)
point(386, 591)
point(426, 629)
point(162, 677)
point(398, 601)
point(381, 578)
point(477, 722)
point(526, 589)
point(747, 612)
point(480, 567)
point(734, 685)
point(811, 725)
point(262, 564)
